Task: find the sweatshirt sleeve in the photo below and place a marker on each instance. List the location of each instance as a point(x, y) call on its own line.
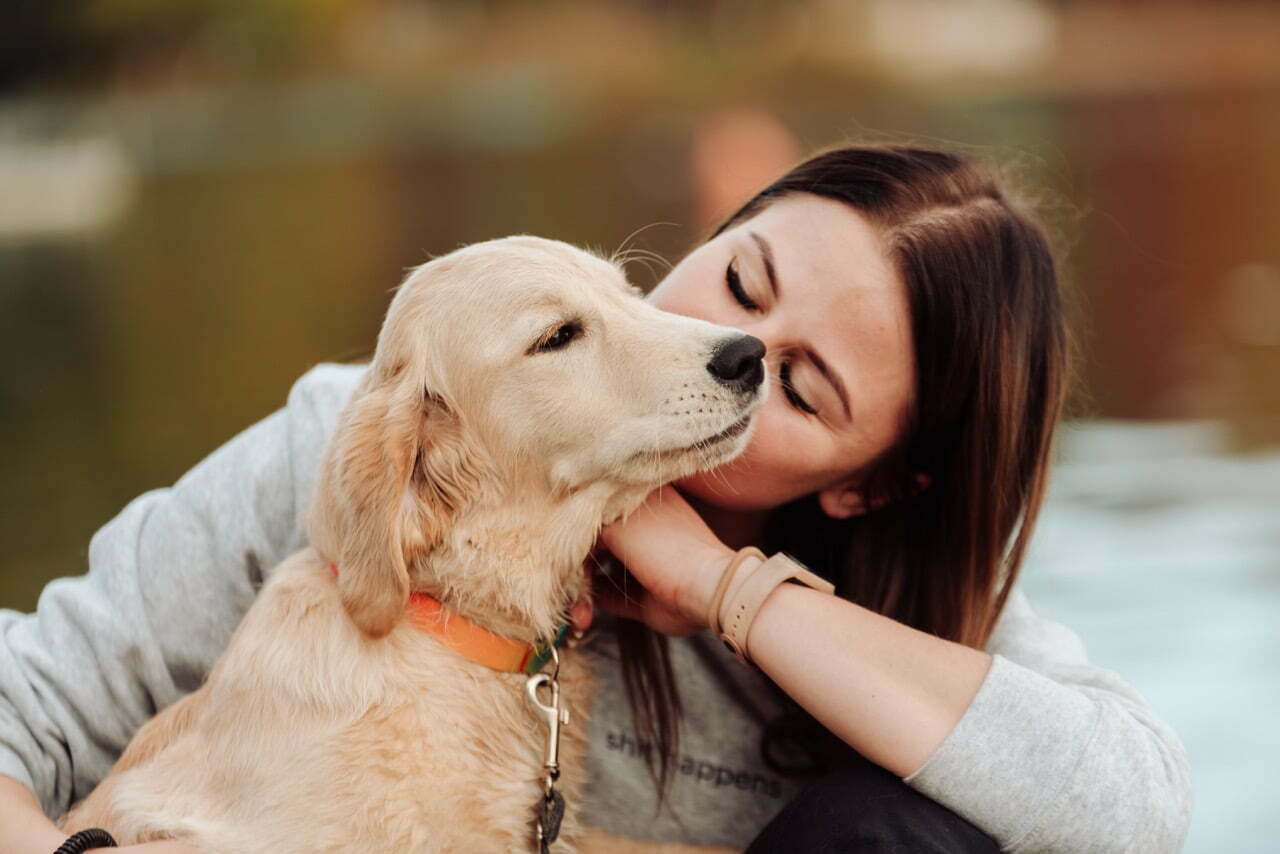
point(169, 579)
point(1057, 755)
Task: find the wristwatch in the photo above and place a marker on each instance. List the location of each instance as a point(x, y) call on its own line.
point(741, 593)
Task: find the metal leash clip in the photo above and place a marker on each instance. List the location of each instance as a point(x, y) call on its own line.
point(551, 805)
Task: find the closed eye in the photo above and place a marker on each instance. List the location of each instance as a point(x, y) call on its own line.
point(734, 283)
point(735, 287)
point(784, 376)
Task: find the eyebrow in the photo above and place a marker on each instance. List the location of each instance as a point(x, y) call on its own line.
point(766, 252)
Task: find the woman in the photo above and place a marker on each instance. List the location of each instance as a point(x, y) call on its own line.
point(912, 322)
point(914, 317)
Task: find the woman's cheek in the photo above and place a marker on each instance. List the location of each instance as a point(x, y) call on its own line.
point(762, 476)
point(728, 488)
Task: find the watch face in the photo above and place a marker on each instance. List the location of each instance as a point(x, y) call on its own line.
point(803, 575)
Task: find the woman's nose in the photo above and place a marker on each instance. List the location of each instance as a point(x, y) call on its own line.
point(738, 363)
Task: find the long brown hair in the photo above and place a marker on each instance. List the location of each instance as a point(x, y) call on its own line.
point(991, 354)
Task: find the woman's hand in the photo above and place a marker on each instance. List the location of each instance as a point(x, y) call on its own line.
point(674, 556)
point(25, 828)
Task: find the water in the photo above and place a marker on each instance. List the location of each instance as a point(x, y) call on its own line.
point(1163, 554)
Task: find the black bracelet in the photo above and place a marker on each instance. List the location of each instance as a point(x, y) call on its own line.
point(94, 837)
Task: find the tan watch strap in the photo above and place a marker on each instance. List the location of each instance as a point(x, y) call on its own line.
point(713, 611)
point(746, 598)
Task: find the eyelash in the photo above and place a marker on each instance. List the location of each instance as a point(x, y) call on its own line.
point(735, 288)
point(784, 368)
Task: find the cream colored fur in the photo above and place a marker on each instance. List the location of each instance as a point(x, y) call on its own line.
point(471, 466)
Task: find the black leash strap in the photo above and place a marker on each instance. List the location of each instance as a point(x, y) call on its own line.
point(93, 837)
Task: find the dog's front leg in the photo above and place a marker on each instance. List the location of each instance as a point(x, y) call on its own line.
point(154, 736)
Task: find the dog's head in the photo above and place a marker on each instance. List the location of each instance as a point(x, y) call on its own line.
point(522, 394)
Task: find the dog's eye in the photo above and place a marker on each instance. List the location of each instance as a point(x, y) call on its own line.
point(566, 333)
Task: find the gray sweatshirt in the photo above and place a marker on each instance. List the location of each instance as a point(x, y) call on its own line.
point(1053, 754)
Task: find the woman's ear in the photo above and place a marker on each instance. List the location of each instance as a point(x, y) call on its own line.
point(394, 477)
point(842, 501)
point(847, 499)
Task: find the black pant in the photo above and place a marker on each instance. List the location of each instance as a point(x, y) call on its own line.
point(865, 808)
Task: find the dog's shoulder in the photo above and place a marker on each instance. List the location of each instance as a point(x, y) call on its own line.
point(299, 582)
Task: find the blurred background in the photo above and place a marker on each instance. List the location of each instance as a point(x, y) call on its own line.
point(201, 199)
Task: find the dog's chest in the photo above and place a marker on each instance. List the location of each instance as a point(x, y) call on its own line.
point(466, 749)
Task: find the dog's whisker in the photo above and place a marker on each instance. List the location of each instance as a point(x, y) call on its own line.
point(639, 254)
point(644, 257)
point(717, 475)
point(649, 267)
point(633, 235)
point(646, 264)
point(616, 585)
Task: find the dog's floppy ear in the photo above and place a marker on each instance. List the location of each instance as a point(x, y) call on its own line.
point(394, 477)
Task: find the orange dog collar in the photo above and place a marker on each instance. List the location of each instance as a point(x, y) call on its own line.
point(474, 642)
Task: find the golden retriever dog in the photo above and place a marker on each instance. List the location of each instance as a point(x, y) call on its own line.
point(521, 396)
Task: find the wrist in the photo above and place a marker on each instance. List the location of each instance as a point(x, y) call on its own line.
point(704, 584)
point(733, 615)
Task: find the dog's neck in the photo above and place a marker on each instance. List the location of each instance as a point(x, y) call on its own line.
point(514, 566)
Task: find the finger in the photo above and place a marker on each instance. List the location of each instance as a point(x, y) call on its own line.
point(581, 615)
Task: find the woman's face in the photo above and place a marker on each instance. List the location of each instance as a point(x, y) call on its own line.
point(820, 287)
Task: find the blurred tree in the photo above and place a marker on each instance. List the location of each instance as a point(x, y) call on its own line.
point(38, 43)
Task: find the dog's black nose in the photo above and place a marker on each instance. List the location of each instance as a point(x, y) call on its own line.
point(738, 363)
